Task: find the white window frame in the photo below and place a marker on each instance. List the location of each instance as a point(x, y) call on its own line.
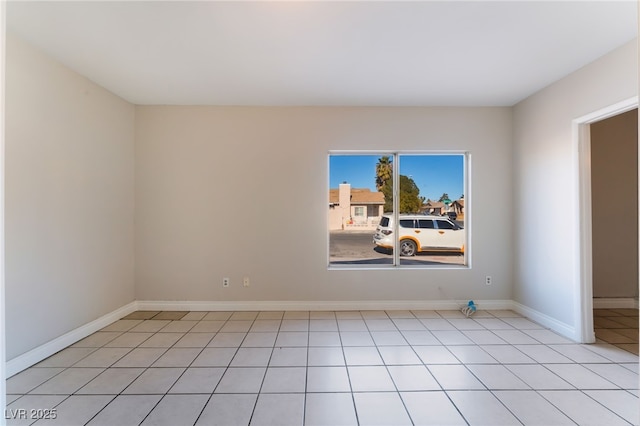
point(396, 154)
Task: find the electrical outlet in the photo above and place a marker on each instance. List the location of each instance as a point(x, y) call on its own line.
point(487, 280)
point(246, 282)
point(226, 281)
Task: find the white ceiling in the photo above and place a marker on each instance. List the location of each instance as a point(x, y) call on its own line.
point(325, 52)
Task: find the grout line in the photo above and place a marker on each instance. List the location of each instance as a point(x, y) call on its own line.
point(378, 316)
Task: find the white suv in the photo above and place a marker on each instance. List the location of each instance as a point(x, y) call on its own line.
point(420, 233)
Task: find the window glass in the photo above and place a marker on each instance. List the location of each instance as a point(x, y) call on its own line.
point(444, 224)
point(356, 209)
point(425, 223)
point(432, 184)
point(366, 222)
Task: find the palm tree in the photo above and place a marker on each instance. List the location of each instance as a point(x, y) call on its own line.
point(384, 171)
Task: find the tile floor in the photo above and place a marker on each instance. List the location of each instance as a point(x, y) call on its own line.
point(328, 368)
point(618, 327)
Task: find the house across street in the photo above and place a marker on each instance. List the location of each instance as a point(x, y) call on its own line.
point(354, 208)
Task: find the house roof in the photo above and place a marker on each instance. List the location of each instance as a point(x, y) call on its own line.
point(460, 202)
point(434, 204)
point(358, 196)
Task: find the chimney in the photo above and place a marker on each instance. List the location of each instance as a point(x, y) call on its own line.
point(344, 198)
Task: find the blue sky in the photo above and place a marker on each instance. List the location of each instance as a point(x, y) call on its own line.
point(433, 173)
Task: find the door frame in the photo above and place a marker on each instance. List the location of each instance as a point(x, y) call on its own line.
point(583, 301)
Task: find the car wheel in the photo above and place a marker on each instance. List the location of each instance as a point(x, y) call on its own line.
point(408, 248)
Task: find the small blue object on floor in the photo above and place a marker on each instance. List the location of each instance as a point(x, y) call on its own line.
point(470, 309)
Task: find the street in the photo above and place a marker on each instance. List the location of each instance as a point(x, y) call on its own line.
point(357, 247)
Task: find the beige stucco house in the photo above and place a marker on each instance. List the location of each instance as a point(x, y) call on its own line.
point(357, 208)
point(433, 207)
point(458, 207)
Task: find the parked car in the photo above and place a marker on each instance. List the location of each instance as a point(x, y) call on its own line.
point(452, 215)
point(419, 233)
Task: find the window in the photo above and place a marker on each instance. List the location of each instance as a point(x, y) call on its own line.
point(443, 224)
point(407, 223)
point(411, 200)
point(425, 223)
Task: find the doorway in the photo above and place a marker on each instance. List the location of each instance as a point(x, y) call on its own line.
point(603, 253)
point(614, 210)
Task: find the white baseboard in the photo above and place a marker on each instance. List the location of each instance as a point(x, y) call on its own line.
point(36, 355)
point(615, 303)
point(326, 305)
point(566, 330)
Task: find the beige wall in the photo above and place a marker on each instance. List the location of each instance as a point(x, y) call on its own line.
point(614, 194)
point(545, 163)
point(212, 187)
point(69, 200)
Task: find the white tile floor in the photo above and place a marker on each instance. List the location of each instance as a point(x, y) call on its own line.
point(328, 368)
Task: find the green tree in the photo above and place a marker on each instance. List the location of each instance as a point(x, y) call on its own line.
point(445, 198)
point(384, 171)
point(387, 190)
point(410, 200)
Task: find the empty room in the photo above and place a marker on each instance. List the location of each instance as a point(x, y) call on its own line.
point(320, 213)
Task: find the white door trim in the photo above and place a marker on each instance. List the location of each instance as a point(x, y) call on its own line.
point(583, 300)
